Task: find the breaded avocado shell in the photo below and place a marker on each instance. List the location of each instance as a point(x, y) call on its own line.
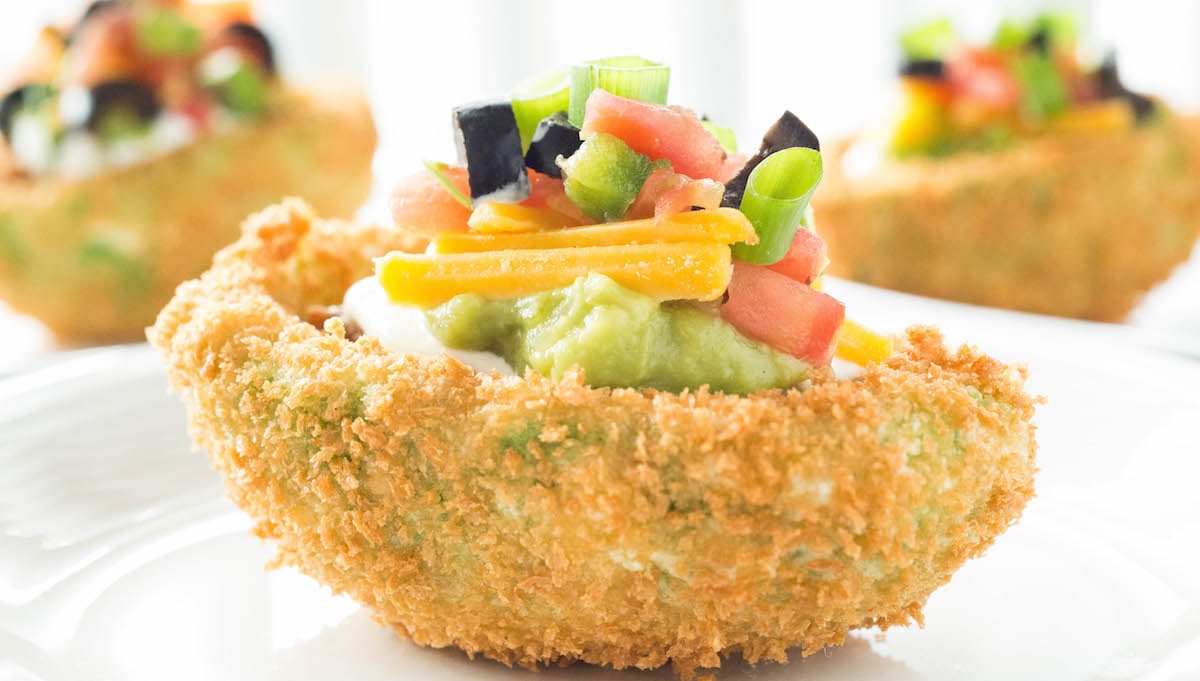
point(536, 521)
point(96, 259)
point(1072, 224)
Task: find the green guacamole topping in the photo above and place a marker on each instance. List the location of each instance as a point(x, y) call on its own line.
point(619, 337)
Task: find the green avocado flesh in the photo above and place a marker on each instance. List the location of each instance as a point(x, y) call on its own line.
point(620, 338)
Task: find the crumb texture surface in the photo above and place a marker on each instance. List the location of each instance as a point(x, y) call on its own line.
point(534, 521)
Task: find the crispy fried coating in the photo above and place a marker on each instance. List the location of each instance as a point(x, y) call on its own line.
point(96, 259)
point(534, 521)
point(1078, 225)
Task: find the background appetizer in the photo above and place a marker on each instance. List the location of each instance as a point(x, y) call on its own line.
point(132, 144)
point(1018, 176)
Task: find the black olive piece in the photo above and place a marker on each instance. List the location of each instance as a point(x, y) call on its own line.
point(1107, 78)
point(1143, 107)
point(787, 132)
point(25, 96)
point(249, 35)
point(554, 137)
point(1038, 42)
point(489, 143)
point(124, 96)
point(94, 10)
point(924, 68)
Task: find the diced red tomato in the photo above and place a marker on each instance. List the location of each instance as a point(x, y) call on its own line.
point(421, 204)
point(783, 313)
point(666, 192)
point(670, 132)
point(983, 77)
point(731, 167)
point(805, 258)
point(198, 110)
point(660, 181)
point(548, 192)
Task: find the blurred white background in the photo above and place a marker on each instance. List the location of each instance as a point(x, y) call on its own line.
point(739, 62)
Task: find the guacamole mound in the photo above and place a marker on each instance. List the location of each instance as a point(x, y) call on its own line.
point(620, 338)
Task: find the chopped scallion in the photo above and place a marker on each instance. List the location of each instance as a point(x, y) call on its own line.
point(438, 170)
point(777, 194)
point(929, 41)
point(632, 77)
point(725, 136)
point(537, 98)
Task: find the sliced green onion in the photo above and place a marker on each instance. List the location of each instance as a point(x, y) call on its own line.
point(632, 77)
point(438, 170)
point(777, 193)
point(1010, 35)
point(725, 136)
point(930, 41)
point(165, 32)
point(1043, 91)
point(1059, 29)
point(537, 98)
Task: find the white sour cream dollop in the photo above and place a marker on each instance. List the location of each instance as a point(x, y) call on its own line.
point(402, 328)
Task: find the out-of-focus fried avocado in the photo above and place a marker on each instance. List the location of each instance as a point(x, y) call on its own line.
point(1074, 224)
point(95, 259)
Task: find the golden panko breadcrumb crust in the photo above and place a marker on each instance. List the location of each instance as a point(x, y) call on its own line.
point(96, 259)
point(534, 521)
point(1074, 224)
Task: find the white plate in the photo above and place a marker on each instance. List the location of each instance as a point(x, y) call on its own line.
point(119, 558)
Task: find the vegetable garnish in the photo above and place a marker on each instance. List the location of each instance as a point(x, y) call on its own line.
point(489, 144)
point(631, 77)
point(130, 81)
point(963, 98)
point(438, 170)
point(787, 132)
point(679, 271)
point(553, 137)
point(662, 133)
point(653, 177)
point(604, 177)
point(537, 98)
point(775, 199)
point(725, 136)
point(722, 226)
point(164, 32)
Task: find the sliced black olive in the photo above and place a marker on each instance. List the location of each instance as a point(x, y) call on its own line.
point(1107, 78)
point(554, 137)
point(252, 39)
point(490, 146)
point(24, 97)
point(1038, 42)
point(94, 10)
point(127, 101)
point(787, 132)
point(924, 68)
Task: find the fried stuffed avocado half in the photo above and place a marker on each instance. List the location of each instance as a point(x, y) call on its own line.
point(1080, 224)
point(135, 142)
point(538, 521)
point(1017, 175)
point(96, 259)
